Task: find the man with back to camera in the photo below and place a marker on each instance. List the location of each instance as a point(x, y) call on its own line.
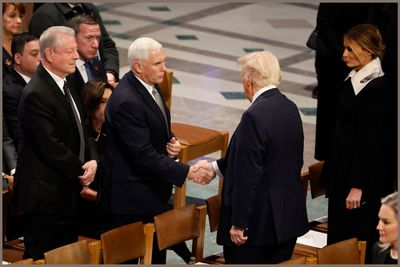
point(263, 207)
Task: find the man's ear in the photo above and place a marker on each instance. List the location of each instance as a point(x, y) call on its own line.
point(48, 54)
point(17, 58)
point(137, 66)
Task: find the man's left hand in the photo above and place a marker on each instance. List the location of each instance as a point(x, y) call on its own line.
point(90, 168)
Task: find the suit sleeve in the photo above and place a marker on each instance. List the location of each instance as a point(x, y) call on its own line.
point(247, 169)
point(40, 124)
point(134, 134)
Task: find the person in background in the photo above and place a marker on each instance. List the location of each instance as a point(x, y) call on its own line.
point(263, 209)
point(356, 173)
point(56, 14)
point(13, 14)
point(26, 59)
point(93, 220)
point(88, 66)
point(333, 20)
point(55, 160)
point(385, 251)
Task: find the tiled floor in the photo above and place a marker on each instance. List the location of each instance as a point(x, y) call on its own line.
point(202, 41)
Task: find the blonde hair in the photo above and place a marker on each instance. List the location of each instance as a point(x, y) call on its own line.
point(390, 201)
point(261, 67)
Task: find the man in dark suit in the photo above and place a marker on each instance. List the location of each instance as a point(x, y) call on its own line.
point(263, 207)
point(26, 58)
point(140, 147)
point(56, 14)
point(88, 66)
point(51, 165)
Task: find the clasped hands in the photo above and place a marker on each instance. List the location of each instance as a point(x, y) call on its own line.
point(202, 172)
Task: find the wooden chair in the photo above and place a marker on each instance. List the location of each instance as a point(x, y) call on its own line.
point(74, 253)
point(128, 242)
point(349, 251)
point(301, 260)
point(182, 224)
point(196, 141)
point(314, 174)
point(25, 261)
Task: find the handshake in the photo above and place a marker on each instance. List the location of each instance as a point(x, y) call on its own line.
point(202, 172)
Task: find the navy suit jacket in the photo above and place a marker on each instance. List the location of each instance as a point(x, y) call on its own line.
point(262, 191)
point(48, 161)
point(13, 84)
point(141, 172)
point(76, 82)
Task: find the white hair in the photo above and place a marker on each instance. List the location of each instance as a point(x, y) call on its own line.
point(50, 38)
point(139, 49)
point(262, 67)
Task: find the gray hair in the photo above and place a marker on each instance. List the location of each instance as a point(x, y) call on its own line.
point(139, 49)
point(261, 67)
point(50, 38)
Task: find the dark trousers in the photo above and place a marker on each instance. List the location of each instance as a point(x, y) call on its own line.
point(44, 232)
point(270, 254)
point(158, 256)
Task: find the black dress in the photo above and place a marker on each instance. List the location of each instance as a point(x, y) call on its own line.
point(358, 159)
point(7, 62)
point(94, 220)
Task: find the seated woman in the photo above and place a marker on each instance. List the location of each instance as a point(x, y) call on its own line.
point(385, 251)
point(95, 95)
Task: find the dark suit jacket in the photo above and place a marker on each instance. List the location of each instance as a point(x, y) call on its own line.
point(13, 84)
point(76, 82)
point(141, 172)
point(56, 14)
point(48, 163)
point(262, 191)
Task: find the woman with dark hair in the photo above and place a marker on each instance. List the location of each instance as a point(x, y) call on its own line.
point(12, 25)
point(385, 251)
point(95, 95)
point(356, 171)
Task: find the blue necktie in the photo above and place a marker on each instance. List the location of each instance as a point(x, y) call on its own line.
point(88, 69)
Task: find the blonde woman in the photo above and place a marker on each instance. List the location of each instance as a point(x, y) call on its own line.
point(385, 251)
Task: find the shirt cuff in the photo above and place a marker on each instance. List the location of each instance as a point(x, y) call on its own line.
point(216, 169)
point(12, 172)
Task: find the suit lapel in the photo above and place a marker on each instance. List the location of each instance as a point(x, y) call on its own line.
point(148, 99)
point(55, 90)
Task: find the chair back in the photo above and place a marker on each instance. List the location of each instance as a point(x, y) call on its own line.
point(74, 253)
point(176, 226)
point(25, 261)
point(314, 175)
point(166, 87)
point(344, 252)
point(214, 211)
point(182, 224)
point(123, 243)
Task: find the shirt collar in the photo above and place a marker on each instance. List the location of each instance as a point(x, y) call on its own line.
point(359, 79)
point(26, 78)
point(148, 87)
point(262, 90)
point(59, 81)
